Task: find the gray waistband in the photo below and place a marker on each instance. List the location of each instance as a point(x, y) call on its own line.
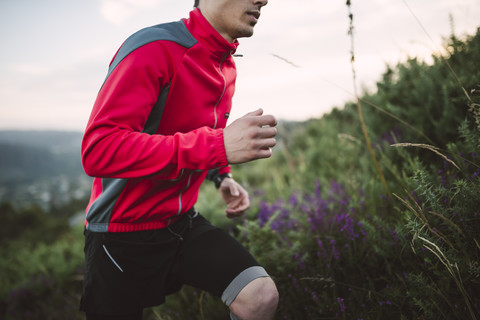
point(241, 281)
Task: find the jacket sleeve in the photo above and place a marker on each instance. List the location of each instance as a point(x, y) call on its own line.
point(114, 145)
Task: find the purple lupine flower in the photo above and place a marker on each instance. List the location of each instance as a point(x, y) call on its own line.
point(342, 304)
point(394, 235)
point(264, 214)
point(294, 199)
point(258, 192)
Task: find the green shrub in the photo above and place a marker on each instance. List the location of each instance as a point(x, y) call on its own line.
point(43, 278)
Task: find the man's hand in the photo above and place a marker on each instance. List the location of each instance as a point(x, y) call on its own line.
point(235, 196)
point(250, 137)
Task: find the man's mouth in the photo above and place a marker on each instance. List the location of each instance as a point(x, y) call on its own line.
point(256, 14)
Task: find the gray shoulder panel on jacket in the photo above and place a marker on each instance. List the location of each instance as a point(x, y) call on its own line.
point(173, 31)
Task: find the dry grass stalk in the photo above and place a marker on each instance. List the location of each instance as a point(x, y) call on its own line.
point(443, 259)
point(396, 118)
point(422, 217)
point(347, 137)
point(428, 147)
point(476, 242)
point(448, 221)
point(359, 105)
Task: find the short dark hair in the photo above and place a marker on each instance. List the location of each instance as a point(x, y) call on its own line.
point(196, 3)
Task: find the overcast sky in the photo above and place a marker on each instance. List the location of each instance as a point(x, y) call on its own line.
point(55, 53)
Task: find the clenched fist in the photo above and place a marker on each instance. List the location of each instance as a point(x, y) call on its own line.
point(250, 137)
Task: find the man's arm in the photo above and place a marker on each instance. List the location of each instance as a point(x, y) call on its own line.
point(235, 196)
point(114, 145)
point(248, 138)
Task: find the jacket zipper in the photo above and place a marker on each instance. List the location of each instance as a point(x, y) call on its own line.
point(224, 88)
point(214, 127)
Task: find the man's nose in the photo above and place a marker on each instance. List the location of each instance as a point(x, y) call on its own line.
point(261, 3)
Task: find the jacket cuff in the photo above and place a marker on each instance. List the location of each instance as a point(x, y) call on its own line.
point(222, 154)
point(224, 170)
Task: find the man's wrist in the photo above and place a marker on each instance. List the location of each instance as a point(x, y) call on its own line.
point(219, 179)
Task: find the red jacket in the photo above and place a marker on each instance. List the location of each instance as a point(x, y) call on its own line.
point(156, 127)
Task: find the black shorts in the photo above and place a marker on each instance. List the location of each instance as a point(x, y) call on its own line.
point(126, 272)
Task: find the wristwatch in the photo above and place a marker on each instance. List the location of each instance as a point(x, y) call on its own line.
point(219, 178)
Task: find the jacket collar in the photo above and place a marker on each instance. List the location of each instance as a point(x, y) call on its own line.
point(203, 31)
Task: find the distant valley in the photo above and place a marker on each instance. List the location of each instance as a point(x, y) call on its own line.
point(41, 167)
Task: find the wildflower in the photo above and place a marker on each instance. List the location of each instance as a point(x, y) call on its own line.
point(294, 200)
point(320, 243)
point(264, 214)
point(342, 304)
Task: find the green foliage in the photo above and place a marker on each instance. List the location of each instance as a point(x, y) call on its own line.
point(42, 257)
point(29, 224)
point(413, 92)
point(45, 296)
point(444, 219)
point(189, 303)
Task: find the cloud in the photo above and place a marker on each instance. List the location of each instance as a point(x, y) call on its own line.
point(59, 97)
point(119, 11)
point(93, 53)
point(31, 69)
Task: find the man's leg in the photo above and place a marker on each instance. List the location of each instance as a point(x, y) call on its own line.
point(215, 262)
point(257, 300)
point(125, 272)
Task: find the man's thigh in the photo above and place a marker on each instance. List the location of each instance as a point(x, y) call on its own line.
point(217, 263)
point(126, 272)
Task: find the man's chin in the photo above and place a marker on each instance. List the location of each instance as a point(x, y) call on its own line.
point(245, 33)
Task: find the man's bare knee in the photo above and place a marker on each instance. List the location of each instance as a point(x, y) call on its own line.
point(257, 301)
